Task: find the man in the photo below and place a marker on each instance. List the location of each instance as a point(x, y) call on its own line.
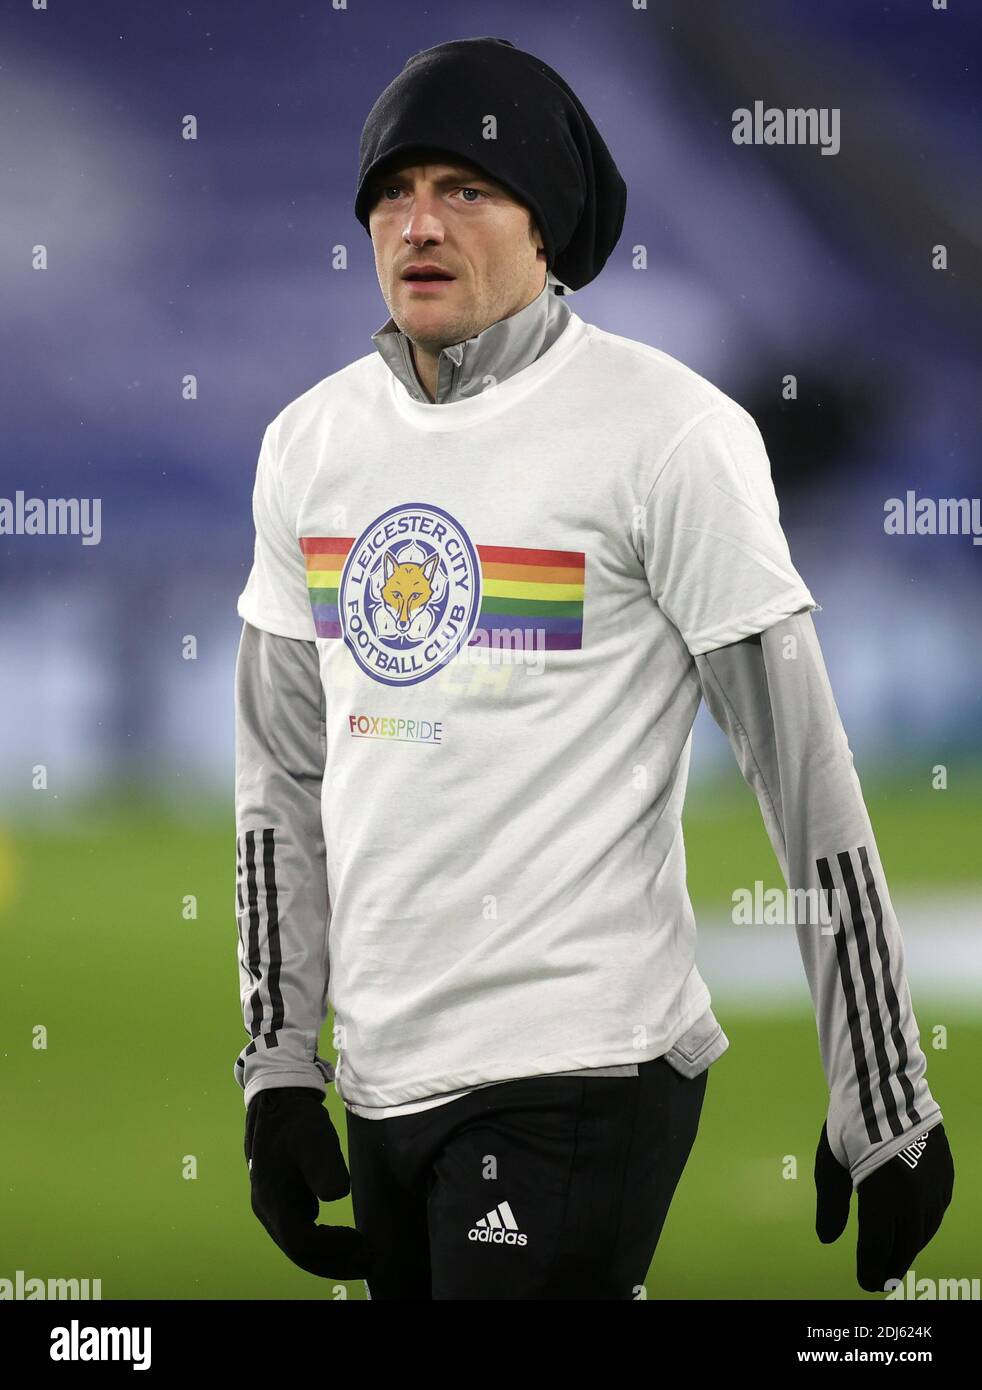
point(498, 563)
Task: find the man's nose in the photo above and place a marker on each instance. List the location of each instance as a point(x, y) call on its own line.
point(423, 221)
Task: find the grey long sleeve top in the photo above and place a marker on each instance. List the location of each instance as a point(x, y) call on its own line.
point(780, 717)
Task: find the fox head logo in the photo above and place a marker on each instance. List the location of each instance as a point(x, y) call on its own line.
point(410, 593)
point(407, 589)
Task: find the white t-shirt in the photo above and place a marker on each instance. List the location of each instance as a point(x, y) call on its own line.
point(507, 592)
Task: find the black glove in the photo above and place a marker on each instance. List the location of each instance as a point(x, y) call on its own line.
point(294, 1158)
point(900, 1206)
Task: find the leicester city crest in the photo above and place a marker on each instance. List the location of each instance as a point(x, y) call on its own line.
point(410, 593)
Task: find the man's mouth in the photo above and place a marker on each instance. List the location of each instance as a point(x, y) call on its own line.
point(427, 275)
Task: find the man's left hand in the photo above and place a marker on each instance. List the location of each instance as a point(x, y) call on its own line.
point(901, 1204)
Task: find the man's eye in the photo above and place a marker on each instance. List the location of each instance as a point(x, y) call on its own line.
point(386, 189)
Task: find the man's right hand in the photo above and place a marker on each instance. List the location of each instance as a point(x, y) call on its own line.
point(294, 1157)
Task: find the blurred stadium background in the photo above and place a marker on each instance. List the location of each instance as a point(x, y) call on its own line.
point(214, 257)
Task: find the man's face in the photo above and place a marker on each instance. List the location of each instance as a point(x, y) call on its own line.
point(454, 217)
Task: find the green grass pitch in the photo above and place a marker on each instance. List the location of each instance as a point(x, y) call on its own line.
point(141, 1011)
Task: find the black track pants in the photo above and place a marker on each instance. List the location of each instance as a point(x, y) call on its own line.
point(546, 1187)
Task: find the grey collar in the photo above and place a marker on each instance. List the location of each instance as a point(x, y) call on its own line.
point(501, 350)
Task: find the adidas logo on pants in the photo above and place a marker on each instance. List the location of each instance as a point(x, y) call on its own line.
point(499, 1227)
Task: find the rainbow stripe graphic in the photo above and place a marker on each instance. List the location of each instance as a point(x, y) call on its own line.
point(523, 589)
point(533, 591)
point(325, 557)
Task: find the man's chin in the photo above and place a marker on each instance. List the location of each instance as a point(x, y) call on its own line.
point(432, 330)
